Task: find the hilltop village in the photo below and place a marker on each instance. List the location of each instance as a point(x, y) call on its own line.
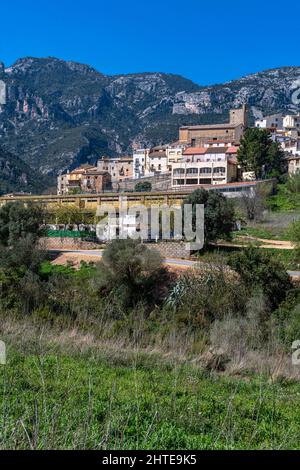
point(203, 155)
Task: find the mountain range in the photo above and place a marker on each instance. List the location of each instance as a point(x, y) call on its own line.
point(59, 114)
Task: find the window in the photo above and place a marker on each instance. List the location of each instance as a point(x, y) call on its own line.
point(205, 170)
point(205, 181)
point(193, 142)
point(219, 169)
point(192, 181)
point(192, 171)
point(178, 171)
point(178, 181)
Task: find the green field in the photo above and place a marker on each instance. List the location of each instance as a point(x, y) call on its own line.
point(50, 399)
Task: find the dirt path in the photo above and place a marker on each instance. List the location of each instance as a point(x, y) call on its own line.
point(263, 243)
point(177, 265)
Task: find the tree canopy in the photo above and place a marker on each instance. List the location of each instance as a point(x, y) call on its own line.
point(18, 220)
point(219, 215)
point(260, 154)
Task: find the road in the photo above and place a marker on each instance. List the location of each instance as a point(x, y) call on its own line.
point(176, 262)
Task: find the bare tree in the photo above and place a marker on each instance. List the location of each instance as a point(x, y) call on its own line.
point(253, 202)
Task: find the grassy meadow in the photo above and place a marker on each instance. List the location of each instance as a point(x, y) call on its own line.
point(92, 398)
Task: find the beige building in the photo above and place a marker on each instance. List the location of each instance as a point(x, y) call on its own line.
point(197, 136)
point(291, 121)
point(205, 165)
point(174, 154)
point(85, 179)
point(157, 160)
point(120, 168)
point(293, 164)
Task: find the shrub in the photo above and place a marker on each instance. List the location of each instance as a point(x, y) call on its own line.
point(294, 233)
point(206, 296)
point(219, 214)
point(18, 221)
point(259, 269)
point(236, 335)
point(133, 272)
point(143, 186)
point(293, 183)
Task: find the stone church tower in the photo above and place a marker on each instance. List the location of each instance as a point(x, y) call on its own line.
point(239, 116)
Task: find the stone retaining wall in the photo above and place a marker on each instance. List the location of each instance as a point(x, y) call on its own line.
point(171, 249)
point(166, 249)
point(67, 243)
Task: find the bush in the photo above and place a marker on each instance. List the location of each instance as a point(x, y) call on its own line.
point(236, 335)
point(294, 233)
point(17, 221)
point(143, 186)
point(259, 269)
point(293, 183)
point(202, 297)
point(134, 272)
point(219, 214)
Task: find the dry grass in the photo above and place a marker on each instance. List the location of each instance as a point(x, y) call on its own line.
point(175, 348)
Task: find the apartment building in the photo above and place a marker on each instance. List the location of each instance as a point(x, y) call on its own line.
point(197, 136)
point(211, 164)
point(85, 179)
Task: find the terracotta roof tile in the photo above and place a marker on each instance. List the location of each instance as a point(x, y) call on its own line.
point(195, 151)
point(232, 149)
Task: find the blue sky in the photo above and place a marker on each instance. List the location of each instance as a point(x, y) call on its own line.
point(206, 41)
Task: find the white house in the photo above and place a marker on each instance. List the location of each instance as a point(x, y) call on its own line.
point(140, 163)
point(205, 165)
point(274, 121)
point(291, 121)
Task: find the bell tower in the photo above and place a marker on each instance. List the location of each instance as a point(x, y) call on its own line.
point(239, 116)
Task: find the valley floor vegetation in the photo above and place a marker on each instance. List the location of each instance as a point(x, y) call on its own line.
point(125, 354)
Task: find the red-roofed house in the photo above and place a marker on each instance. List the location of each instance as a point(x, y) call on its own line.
point(205, 165)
